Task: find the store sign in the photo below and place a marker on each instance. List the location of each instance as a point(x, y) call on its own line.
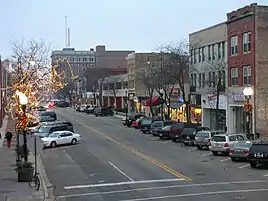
point(238, 97)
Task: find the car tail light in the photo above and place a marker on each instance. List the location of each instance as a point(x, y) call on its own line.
point(246, 151)
point(231, 150)
point(226, 145)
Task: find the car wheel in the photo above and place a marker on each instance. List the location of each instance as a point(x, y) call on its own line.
point(253, 165)
point(215, 153)
point(174, 140)
point(74, 141)
point(199, 147)
point(53, 144)
point(233, 159)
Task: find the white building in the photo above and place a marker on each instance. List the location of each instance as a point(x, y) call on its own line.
point(208, 65)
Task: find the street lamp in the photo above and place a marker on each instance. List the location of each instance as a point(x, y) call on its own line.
point(248, 92)
point(23, 100)
point(17, 130)
point(126, 102)
point(162, 102)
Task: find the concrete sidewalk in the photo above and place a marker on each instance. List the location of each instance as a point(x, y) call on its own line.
point(10, 188)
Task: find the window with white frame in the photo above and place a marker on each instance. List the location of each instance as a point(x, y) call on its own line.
point(247, 75)
point(246, 42)
point(234, 76)
point(219, 50)
point(234, 45)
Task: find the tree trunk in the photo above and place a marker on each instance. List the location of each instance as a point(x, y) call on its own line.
point(217, 111)
point(151, 107)
point(169, 108)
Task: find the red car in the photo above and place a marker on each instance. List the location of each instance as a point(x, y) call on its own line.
point(136, 124)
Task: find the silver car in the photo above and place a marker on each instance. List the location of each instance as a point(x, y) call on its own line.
point(222, 143)
point(240, 150)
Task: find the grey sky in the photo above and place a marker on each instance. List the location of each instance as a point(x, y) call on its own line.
point(119, 24)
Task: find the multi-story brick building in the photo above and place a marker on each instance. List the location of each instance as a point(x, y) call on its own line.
point(208, 65)
point(247, 32)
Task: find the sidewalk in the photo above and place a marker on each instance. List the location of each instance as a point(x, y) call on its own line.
point(10, 188)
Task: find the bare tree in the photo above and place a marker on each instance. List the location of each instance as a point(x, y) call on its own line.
point(215, 84)
point(178, 62)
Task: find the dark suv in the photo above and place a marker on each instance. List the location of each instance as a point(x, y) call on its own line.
point(158, 125)
point(258, 153)
point(51, 114)
point(103, 111)
point(45, 130)
point(68, 123)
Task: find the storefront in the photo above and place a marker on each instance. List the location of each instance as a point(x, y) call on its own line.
point(209, 111)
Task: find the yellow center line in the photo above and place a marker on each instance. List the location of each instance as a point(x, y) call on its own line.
point(153, 161)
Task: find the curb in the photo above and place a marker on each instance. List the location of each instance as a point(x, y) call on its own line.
point(3, 130)
point(47, 186)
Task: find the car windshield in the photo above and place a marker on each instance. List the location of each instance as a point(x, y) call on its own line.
point(44, 129)
point(202, 134)
point(45, 118)
point(219, 139)
point(147, 121)
point(242, 144)
point(189, 131)
point(53, 135)
point(167, 128)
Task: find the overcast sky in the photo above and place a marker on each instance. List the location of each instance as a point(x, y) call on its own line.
point(139, 25)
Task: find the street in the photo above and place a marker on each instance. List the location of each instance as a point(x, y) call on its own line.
point(115, 163)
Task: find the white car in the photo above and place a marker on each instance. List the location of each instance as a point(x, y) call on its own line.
point(82, 108)
point(61, 138)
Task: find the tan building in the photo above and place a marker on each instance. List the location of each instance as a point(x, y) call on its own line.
point(138, 92)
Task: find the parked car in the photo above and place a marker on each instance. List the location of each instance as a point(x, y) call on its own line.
point(45, 130)
point(77, 108)
point(146, 124)
point(103, 111)
point(137, 124)
point(132, 118)
point(203, 138)
point(46, 119)
point(62, 104)
point(158, 125)
point(60, 138)
point(52, 114)
point(90, 109)
point(177, 128)
point(222, 143)
point(258, 153)
point(240, 150)
point(82, 108)
point(68, 123)
point(164, 132)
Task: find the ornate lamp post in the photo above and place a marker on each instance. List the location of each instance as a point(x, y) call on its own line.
point(126, 102)
point(248, 92)
point(23, 100)
point(162, 103)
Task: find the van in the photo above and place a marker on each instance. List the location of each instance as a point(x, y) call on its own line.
point(202, 138)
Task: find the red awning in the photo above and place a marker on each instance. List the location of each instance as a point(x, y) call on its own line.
point(154, 102)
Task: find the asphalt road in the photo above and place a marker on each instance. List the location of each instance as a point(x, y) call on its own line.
point(114, 163)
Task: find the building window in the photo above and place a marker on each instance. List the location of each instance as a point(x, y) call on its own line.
point(219, 50)
point(246, 75)
point(203, 54)
point(223, 78)
point(213, 52)
point(223, 49)
point(200, 80)
point(209, 52)
point(203, 80)
point(209, 79)
point(234, 45)
point(194, 56)
point(234, 76)
point(192, 80)
point(246, 42)
point(195, 80)
point(199, 55)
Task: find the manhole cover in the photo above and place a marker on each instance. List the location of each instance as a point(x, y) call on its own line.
point(238, 197)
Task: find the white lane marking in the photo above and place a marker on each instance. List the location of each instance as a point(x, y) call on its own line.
point(193, 149)
point(243, 166)
point(208, 154)
point(161, 187)
point(266, 175)
point(115, 167)
point(226, 159)
point(122, 183)
point(199, 194)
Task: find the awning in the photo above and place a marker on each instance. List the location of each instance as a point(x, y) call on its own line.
point(154, 102)
point(176, 105)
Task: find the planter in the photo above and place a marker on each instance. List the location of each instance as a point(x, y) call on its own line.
point(25, 174)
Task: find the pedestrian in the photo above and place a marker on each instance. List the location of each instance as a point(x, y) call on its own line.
point(9, 138)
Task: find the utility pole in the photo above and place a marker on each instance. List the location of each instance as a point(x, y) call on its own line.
point(161, 86)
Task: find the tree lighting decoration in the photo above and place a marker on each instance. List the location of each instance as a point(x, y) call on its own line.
point(32, 78)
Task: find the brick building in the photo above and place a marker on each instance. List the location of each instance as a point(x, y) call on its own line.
point(247, 33)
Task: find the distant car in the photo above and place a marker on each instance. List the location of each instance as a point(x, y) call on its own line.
point(104, 111)
point(82, 108)
point(45, 130)
point(62, 104)
point(46, 119)
point(90, 109)
point(203, 138)
point(52, 114)
point(60, 138)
